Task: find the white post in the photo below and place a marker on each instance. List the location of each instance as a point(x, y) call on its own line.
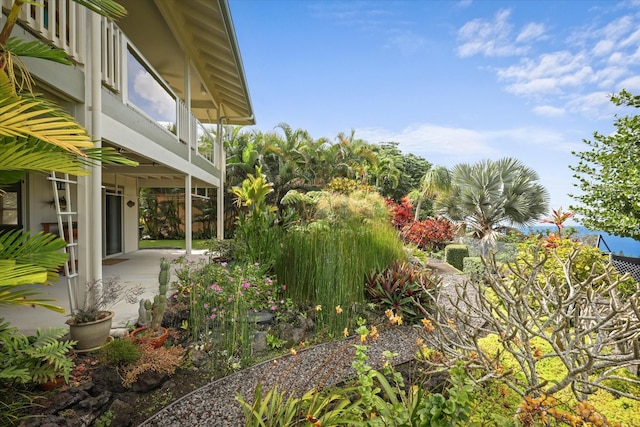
point(221, 162)
point(95, 231)
point(188, 234)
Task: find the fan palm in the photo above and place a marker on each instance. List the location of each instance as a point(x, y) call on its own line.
point(489, 193)
point(38, 136)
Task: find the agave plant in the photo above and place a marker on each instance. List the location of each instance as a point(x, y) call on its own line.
point(409, 291)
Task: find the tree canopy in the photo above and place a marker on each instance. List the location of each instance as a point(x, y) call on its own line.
point(609, 177)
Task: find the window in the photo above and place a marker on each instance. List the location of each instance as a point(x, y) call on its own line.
point(11, 207)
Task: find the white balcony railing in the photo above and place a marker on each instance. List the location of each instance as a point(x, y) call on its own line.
point(59, 22)
point(113, 57)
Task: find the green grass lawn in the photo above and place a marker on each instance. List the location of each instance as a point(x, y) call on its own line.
point(177, 244)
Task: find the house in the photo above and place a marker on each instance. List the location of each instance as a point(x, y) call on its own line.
point(158, 85)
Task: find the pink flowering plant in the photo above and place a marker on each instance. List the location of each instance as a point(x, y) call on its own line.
point(215, 291)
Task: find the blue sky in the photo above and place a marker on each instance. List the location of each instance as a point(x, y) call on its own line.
point(451, 81)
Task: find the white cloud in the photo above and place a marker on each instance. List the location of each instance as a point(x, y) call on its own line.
point(530, 32)
point(603, 47)
point(606, 78)
point(159, 100)
point(596, 105)
point(429, 140)
point(548, 74)
point(494, 37)
point(549, 111)
point(631, 84)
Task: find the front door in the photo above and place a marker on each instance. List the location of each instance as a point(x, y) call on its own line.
point(113, 223)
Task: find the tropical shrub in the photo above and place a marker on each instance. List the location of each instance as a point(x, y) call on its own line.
point(409, 291)
point(348, 186)
point(33, 359)
point(562, 334)
point(455, 255)
point(586, 261)
point(350, 210)
point(429, 234)
point(472, 266)
point(401, 213)
point(257, 221)
point(120, 352)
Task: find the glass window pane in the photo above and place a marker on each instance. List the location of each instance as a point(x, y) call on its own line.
point(10, 217)
point(10, 201)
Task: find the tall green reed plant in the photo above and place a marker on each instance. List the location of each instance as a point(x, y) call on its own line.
point(327, 267)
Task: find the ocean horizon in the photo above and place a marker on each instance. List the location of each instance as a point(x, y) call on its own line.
point(608, 243)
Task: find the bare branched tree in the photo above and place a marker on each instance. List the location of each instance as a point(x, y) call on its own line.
point(587, 324)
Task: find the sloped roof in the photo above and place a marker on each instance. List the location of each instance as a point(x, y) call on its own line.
point(164, 30)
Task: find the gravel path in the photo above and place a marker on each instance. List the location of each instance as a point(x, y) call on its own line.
point(322, 365)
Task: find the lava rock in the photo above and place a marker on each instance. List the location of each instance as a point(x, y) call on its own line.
point(122, 413)
point(149, 380)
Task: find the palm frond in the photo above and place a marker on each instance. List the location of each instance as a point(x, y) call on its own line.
point(18, 156)
point(108, 8)
point(22, 116)
point(14, 274)
point(36, 49)
point(10, 177)
point(41, 250)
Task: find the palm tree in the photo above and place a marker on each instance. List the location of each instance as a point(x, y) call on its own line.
point(434, 184)
point(489, 193)
point(386, 170)
point(37, 135)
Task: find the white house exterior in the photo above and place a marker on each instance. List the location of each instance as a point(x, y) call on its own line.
point(166, 61)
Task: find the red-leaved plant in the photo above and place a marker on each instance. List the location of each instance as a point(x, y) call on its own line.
point(401, 213)
point(429, 234)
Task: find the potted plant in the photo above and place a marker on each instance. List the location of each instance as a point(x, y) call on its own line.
point(90, 322)
point(152, 331)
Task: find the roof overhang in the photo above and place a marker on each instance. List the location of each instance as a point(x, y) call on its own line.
point(168, 33)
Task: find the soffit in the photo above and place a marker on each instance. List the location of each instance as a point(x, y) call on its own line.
point(163, 30)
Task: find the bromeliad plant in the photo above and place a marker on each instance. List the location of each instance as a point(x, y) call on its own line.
point(409, 291)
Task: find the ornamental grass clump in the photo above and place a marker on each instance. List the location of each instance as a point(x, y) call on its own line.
point(327, 267)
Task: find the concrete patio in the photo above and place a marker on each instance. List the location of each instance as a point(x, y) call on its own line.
point(132, 269)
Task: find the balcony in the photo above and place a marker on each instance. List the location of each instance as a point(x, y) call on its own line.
point(125, 72)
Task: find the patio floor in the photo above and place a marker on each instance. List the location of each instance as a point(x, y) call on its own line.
point(135, 268)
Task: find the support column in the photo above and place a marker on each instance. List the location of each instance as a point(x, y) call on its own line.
point(188, 241)
point(220, 161)
point(95, 210)
point(188, 217)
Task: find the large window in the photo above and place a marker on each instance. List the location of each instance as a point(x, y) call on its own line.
point(149, 95)
point(11, 207)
